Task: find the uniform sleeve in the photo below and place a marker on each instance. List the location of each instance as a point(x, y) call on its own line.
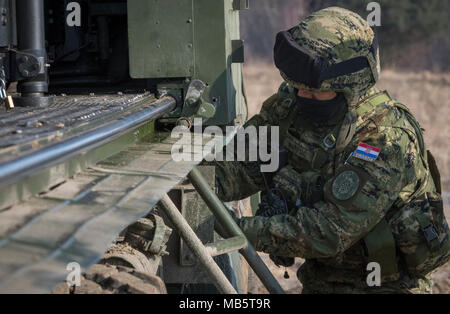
point(356, 199)
point(237, 180)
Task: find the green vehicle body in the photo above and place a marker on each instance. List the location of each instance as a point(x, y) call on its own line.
point(170, 44)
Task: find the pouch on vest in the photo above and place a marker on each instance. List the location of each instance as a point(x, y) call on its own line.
point(422, 234)
point(423, 239)
point(419, 228)
point(381, 248)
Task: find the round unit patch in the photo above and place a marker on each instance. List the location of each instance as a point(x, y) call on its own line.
point(345, 185)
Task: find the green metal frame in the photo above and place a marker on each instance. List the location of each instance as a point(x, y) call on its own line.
point(236, 238)
point(179, 39)
point(219, 279)
point(232, 229)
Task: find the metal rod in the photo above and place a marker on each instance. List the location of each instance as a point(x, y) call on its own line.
point(30, 30)
point(227, 222)
point(226, 246)
point(31, 42)
point(197, 247)
point(12, 171)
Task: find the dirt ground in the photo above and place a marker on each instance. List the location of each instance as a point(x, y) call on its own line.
point(426, 94)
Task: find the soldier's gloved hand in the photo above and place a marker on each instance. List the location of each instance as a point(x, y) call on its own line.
point(250, 226)
point(271, 205)
point(234, 216)
point(282, 260)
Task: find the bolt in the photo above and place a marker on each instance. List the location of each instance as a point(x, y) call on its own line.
point(190, 101)
point(189, 20)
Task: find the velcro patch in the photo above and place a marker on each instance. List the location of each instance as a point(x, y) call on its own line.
point(366, 152)
point(345, 185)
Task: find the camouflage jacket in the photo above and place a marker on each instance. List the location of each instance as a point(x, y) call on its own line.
point(354, 195)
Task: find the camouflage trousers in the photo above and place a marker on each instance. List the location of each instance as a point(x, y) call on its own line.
point(314, 282)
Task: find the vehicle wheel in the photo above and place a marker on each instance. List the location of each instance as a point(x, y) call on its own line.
point(110, 279)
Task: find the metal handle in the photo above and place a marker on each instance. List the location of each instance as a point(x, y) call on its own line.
point(197, 247)
point(227, 222)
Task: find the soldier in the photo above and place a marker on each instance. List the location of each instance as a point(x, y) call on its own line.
point(359, 185)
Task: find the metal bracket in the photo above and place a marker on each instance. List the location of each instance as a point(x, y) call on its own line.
point(29, 66)
point(241, 5)
point(227, 245)
point(194, 105)
point(237, 48)
point(162, 233)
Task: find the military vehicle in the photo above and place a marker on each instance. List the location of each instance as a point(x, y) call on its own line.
point(91, 200)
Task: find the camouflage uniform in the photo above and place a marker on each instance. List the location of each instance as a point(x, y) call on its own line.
point(344, 201)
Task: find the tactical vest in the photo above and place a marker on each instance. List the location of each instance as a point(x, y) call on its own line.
point(414, 233)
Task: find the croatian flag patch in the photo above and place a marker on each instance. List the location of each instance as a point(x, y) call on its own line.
point(366, 152)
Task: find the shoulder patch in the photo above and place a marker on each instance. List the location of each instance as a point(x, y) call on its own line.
point(345, 185)
point(366, 152)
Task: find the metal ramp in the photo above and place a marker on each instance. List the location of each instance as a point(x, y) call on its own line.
point(79, 219)
point(42, 156)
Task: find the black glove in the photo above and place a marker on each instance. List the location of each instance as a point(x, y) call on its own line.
point(282, 260)
point(234, 216)
point(271, 205)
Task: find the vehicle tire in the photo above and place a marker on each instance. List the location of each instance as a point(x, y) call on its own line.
point(110, 279)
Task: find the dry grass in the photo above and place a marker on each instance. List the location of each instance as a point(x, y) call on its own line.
point(261, 81)
point(426, 94)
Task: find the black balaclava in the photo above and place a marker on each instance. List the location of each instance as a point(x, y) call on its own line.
point(322, 110)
